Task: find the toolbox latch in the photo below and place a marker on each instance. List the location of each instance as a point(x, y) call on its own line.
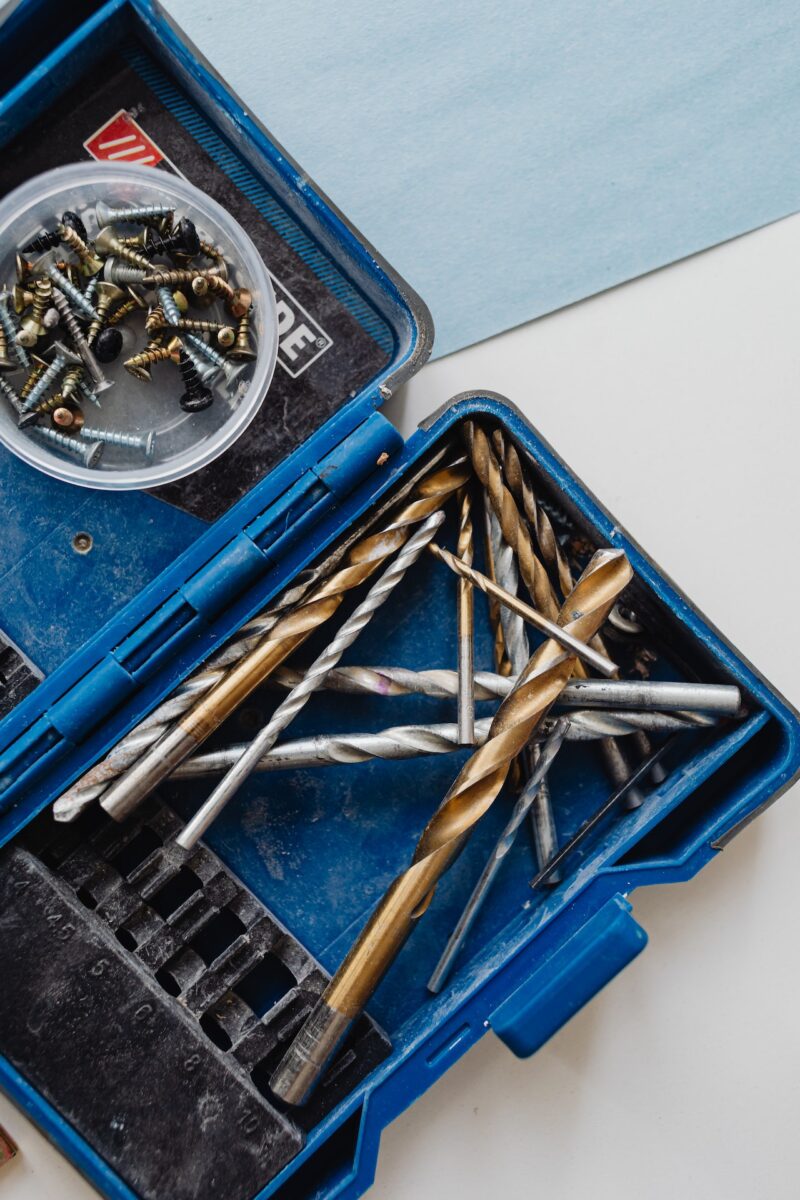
point(561, 984)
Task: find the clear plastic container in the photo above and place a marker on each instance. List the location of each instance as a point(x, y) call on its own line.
point(183, 441)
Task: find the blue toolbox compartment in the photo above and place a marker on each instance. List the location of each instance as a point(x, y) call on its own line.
point(306, 855)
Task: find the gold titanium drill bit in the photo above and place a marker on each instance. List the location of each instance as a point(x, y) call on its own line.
point(313, 679)
point(515, 530)
point(516, 478)
point(362, 560)
point(94, 782)
point(551, 628)
point(472, 794)
point(465, 624)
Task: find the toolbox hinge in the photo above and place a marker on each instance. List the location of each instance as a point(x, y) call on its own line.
point(222, 581)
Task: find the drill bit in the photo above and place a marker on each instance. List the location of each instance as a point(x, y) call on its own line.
point(542, 817)
point(551, 628)
point(549, 750)
point(127, 752)
point(420, 741)
point(515, 529)
point(299, 696)
point(520, 487)
point(502, 663)
point(694, 699)
point(362, 560)
point(472, 794)
point(466, 627)
point(604, 810)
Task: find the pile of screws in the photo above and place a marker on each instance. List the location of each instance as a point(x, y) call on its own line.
point(546, 693)
point(73, 307)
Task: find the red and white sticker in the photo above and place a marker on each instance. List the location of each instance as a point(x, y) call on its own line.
point(123, 140)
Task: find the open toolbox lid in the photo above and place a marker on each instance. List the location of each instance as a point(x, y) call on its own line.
point(188, 587)
point(350, 330)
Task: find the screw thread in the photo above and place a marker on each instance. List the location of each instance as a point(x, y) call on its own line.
point(88, 454)
point(75, 295)
point(10, 329)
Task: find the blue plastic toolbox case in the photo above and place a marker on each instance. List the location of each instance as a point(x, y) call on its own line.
point(300, 859)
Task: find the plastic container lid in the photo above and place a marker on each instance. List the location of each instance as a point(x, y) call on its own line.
point(184, 442)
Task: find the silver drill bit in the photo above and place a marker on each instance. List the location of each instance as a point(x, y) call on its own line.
point(74, 294)
point(549, 750)
point(285, 713)
point(70, 323)
point(418, 741)
point(465, 625)
point(89, 454)
point(542, 817)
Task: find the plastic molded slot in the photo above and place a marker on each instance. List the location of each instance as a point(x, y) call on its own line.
point(266, 984)
point(214, 1031)
point(175, 892)
point(332, 1163)
point(217, 935)
point(136, 851)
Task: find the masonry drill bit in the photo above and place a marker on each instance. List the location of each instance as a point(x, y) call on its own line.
point(551, 628)
point(420, 741)
point(466, 626)
point(504, 843)
point(604, 810)
point(519, 485)
point(362, 560)
point(314, 677)
point(472, 794)
point(542, 817)
point(515, 529)
point(94, 782)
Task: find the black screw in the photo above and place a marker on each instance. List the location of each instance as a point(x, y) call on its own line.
point(108, 344)
point(47, 239)
point(197, 396)
point(184, 239)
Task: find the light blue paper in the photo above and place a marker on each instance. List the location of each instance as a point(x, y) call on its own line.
point(511, 159)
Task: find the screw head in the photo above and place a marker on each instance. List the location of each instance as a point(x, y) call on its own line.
point(108, 344)
point(26, 419)
point(189, 237)
point(226, 336)
point(201, 399)
point(73, 221)
point(94, 454)
point(65, 418)
point(150, 445)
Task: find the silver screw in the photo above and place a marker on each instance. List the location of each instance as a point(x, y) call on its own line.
point(88, 394)
point(115, 271)
point(25, 418)
point(91, 288)
point(167, 302)
point(89, 454)
point(10, 330)
point(74, 330)
point(144, 442)
point(76, 296)
point(61, 357)
point(109, 216)
point(229, 369)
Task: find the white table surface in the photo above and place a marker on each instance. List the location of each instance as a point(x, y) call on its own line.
point(676, 398)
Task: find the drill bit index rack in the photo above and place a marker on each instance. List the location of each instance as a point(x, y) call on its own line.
point(241, 1016)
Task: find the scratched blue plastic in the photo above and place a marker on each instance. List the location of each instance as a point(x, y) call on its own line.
point(319, 847)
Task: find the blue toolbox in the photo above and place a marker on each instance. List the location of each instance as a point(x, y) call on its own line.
point(148, 997)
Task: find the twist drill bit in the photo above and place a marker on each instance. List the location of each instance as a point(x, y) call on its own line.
point(691, 699)
point(299, 696)
point(502, 662)
point(520, 486)
point(542, 817)
point(361, 561)
point(515, 530)
point(418, 741)
point(472, 794)
point(549, 750)
point(465, 612)
point(604, 810)
point(144, 736)
point(551, 628)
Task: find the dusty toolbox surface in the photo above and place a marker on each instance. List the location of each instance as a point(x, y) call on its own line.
point(177, 979)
